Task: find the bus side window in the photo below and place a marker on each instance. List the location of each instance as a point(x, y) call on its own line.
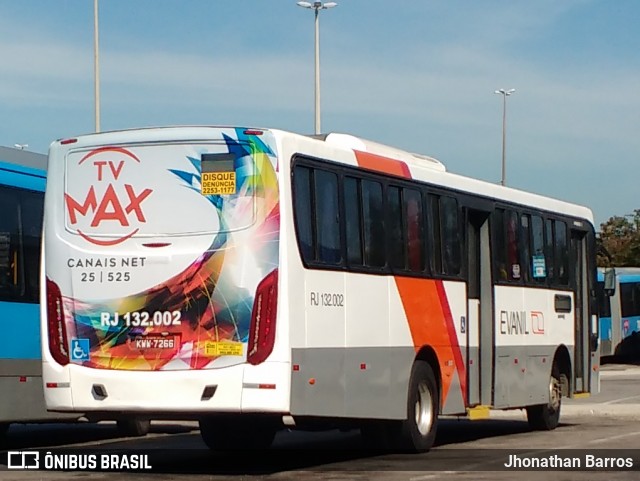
point(396, 247)
point(373, 221)
point(11, 281)
point(538, 259)
point(415, 229)
point(525, 249)
point(562, 253)
point(327, 217)
point(630, 302)
point(513, 257)
point(499, 244)
point(353, 224)
point(548, 249)
point(435, 244)
point(6, 271)
point(451, 236)
point(31, 211)
point(303, 214)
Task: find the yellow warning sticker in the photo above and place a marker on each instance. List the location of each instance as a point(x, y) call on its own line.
point(218, 183)
point(222, 348)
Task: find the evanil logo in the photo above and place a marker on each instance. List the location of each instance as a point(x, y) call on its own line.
point(110, 204)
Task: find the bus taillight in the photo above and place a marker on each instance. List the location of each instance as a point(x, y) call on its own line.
point(55, 323)
point(262, 331)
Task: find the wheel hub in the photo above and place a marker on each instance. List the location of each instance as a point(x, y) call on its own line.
point(424, 409)
point(554, 394)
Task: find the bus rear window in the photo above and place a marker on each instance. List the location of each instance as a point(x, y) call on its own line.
point(113, 193)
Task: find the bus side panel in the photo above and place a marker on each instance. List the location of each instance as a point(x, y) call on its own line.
point(458, 323)
point(22, 391)
point(528, 333)
point(22, 396)
point(384, 330)
point(606, 339)
point(357, 355)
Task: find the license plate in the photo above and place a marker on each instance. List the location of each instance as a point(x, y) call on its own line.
point(156, 344)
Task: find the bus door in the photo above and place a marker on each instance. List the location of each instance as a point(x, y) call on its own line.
point(479, 327)
point(580, 283)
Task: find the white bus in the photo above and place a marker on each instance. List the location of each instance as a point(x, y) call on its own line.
point(256, 279)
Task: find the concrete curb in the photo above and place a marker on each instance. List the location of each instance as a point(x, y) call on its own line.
point(619, 411)
point(630, 372)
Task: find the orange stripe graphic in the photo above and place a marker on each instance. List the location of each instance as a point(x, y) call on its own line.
point(453, 339)
point(382, 164)
point(431, 323)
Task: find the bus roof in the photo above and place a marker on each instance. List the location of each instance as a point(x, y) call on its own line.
point(429, 169)
point(422, 167)
point(356, 143)
point(23, 158)
point(23, 169)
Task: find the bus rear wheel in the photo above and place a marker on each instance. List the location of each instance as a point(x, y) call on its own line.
point(546, 417)
point(237, 433)
point(417, 433)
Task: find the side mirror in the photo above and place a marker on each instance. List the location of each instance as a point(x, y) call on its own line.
point(610, 281)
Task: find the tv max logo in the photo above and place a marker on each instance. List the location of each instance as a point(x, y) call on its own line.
point(23, 460)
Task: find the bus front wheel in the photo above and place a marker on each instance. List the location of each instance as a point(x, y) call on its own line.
point(546, 417)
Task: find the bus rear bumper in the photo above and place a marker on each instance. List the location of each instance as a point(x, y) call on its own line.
point(235, 389)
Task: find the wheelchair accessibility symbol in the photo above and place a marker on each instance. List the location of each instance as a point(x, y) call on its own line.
point(79, 349)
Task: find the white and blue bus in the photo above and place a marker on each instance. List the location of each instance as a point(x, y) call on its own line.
point(22, 186)
point(256, 279)
point(620, 314)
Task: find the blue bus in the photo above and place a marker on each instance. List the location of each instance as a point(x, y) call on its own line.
point(22, 182)
point(620, 314)
point(22, 185)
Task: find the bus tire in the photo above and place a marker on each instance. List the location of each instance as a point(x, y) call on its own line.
point(237, 433)
point(134, 428)
point(546, 417)
point(417, 433)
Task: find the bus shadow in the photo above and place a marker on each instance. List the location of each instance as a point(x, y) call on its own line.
point(627, 352)
point(451, 431)
point(320, 451)
point(45, 435)
point(179, 449)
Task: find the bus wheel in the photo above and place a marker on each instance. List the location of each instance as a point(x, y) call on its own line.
point(134, 427)
point(237, 433)
point(545, 417)
point(418, 432)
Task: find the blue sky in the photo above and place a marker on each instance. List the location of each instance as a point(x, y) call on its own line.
point(418, 75)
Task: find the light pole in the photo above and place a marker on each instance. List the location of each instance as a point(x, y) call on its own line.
point(505, 94)
point(317, 6)
point(96, 65)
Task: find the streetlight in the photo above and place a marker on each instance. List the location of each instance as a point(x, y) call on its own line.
point(505, 94)
point(96, 65)
point(317, 6)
